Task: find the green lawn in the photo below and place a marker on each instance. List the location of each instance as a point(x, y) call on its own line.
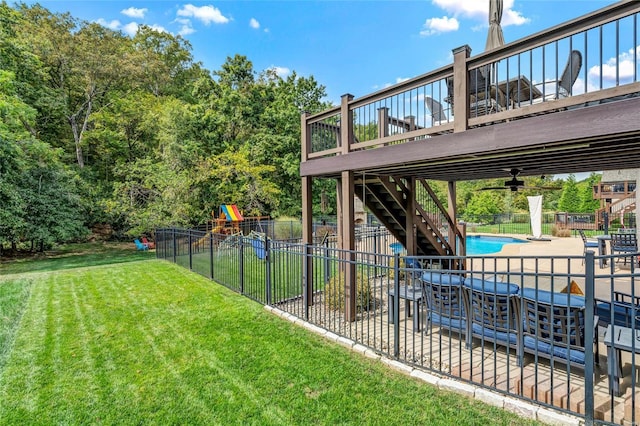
point(147, 342)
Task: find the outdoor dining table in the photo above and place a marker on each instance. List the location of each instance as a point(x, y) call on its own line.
point(518, 89)
point(619, 339)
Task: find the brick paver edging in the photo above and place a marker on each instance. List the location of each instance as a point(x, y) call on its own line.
point(522, 408)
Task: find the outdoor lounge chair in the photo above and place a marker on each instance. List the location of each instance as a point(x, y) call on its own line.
point(492, 312)
point(624, 243)
point(443, 299)
point(554, 327)
point(140, 246)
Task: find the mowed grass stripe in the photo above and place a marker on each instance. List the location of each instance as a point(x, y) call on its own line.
point(151, 343)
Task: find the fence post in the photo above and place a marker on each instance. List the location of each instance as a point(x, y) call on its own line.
point(396, 305)
point(241, 239)
point(211, 255)
point(190, 251)
point(267, 259)
point(305, 287)
point(589, 337)
point(173, 231)
point(327, 270)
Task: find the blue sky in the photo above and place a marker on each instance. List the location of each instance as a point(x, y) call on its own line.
point(352, 47)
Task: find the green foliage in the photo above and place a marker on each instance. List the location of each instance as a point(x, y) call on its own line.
point(587, 203)
point(286, 228)
point(570, 198)
point(484, 202)
point(334, 292)
point(141, 135)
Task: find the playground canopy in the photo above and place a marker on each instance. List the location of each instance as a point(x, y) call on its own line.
point(231, 212)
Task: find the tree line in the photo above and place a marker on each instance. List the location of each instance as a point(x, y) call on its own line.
point(132, 133)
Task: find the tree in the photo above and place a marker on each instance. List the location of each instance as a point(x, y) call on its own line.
point(570, 198)
point(587, 203)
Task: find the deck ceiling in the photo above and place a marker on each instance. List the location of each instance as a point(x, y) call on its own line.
point(593, 138)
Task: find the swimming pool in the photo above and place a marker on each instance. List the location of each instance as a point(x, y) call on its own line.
point(487, 244)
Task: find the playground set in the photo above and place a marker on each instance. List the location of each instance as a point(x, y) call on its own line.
point(228, 222)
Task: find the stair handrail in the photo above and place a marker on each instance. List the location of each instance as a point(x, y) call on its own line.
point(444, 212)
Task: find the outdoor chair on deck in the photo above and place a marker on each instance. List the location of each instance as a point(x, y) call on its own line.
point(492, 312)
point(485, 97)
point(554, 327)
point(563, 88)
point(436, 110)
point(443, 299)
point(625, 244)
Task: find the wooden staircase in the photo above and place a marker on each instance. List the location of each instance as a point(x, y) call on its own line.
point(389, 199)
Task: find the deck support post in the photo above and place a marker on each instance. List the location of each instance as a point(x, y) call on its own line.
point(347, 239)
point(410, 217)
point(307, 236)
point(460, 88)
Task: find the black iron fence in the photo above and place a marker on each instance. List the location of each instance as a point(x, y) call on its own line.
point(547, 329)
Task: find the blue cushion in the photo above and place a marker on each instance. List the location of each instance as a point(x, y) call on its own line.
point(444, 321)
point(622, 313)
point(573, 355)
point(499, 336)
point(442, 278)
point(492, 287)
point(559, 299)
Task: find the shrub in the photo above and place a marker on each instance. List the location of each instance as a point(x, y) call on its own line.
point(560, 232)
point(334, 292)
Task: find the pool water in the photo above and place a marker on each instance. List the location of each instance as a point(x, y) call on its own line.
point(487, 244)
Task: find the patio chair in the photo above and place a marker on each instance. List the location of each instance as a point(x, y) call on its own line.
point(554, 327)
point(140, 246)
point(436, 110)
point(625, 244)
point(149, 244)
point(626, 310)
point(443, 299)
point(492, 312)
point(587, 243)
point(563, 88)
point(485, 97)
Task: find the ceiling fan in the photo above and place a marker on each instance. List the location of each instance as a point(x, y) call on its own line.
point(514, 184)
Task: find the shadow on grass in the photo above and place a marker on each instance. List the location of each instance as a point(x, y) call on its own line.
point(71, 256)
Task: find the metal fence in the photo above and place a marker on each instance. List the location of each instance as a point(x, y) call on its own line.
point(556, 353)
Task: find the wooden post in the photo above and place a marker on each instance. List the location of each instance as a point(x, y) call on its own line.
point(346, 124)
point(348, 244)
point(460, 88)
point(410, 217)
point(305, 136)
point(307, 235)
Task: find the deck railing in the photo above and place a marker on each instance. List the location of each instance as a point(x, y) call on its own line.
point(404, 328)
point(517, 80)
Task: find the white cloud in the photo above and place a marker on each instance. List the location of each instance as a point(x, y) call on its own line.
point(281, 71)
point(158, 28)
point(401, 79)
point(206, 14)
point(472, 10)
point(439, 25)
point(131, 28)
point(113, 25)
point(253, 23)
point(621, 68)
point(186, 30)
point(133, 12)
